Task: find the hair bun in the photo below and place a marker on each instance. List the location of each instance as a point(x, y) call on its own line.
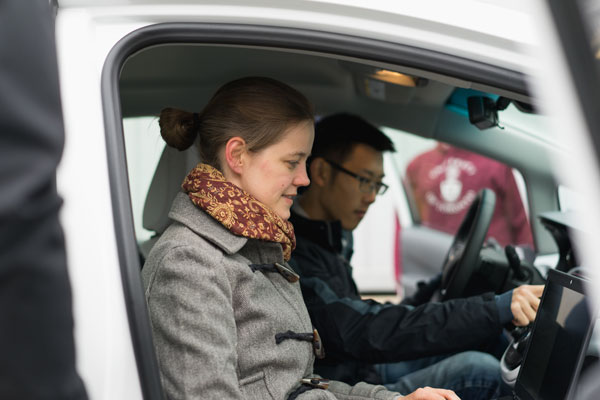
point(179, 128)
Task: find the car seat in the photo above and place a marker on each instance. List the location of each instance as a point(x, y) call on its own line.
point(172, 168)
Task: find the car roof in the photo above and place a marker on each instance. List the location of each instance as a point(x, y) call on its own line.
point(495, 36)
point(490, 31)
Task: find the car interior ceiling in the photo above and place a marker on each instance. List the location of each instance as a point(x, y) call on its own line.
point(186, 75)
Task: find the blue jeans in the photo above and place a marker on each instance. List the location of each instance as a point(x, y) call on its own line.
point(472, 375)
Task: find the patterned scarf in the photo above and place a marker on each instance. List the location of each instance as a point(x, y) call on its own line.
point(236, 209)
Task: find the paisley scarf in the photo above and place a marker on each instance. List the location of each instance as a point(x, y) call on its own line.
point(237, 210)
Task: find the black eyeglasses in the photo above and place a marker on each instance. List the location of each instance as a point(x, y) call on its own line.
point(365, 185)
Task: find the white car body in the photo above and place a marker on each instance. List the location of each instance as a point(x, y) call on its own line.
point(499, 33)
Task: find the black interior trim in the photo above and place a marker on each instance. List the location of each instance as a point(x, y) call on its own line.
point(277, 37)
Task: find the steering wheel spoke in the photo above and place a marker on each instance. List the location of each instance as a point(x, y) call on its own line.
point(462, 258)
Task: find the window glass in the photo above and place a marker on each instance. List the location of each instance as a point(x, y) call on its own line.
point(143, 148)
point(380, 258)
point(432, 185)
point(568, 199)
point(443, 182)
point(535, 125)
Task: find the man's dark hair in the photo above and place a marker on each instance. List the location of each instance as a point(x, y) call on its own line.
point(336, 135)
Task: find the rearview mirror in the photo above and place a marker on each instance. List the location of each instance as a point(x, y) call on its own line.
point(483, 112)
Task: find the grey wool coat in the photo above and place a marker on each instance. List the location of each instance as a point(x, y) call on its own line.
point(214, 320)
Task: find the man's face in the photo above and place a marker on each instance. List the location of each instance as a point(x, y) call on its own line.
point(342, 198)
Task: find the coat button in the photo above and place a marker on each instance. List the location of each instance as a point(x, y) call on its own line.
point(287, 273)
point(319, 383)
point(318, 345)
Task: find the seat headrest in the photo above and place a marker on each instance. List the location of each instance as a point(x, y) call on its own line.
point(172, 168)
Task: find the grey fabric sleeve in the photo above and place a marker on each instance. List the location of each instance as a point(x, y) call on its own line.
point(361, 390)
point(197, 359)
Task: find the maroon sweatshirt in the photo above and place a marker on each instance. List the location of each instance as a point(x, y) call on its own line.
point(445, 181)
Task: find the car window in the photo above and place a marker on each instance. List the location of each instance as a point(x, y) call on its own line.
point(432, 184)
point(442, 181)
point(143, 146)
point(381, 262)
point(570, 199)
point(383, 241)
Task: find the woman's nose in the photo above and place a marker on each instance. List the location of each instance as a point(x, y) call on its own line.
point(301, 178)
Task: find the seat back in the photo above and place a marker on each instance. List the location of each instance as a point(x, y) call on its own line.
point(172, 168)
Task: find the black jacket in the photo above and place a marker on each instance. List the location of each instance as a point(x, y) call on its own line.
point(357, 333)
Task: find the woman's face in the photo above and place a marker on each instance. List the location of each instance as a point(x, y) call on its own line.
point(273, 174)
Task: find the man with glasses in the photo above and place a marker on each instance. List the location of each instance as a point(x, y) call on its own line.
point(400, 346)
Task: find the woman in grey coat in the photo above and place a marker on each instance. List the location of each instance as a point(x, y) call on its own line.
point(227, 313)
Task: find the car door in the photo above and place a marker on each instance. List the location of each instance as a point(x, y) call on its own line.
point(571, 90)
point(104, 250)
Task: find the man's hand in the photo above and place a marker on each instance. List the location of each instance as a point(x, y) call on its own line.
point(428, 393)
point(524, 303)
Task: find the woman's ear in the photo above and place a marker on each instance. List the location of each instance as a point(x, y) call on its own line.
point(320, 171)
point(234, 152)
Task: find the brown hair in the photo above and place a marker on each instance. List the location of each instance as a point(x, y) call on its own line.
point(257, 109)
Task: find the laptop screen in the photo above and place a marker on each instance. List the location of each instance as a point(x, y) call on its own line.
point(558, 342)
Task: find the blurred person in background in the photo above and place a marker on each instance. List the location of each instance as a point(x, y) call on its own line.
point(446, 180)
point(36, 338)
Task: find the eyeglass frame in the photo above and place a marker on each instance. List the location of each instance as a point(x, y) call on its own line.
point(362, 181)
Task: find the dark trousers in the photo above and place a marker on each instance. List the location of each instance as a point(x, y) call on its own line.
point(37, 353)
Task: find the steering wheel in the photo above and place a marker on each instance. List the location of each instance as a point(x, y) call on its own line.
point(462, 258)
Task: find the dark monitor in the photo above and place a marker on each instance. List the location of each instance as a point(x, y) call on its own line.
point(559, 340)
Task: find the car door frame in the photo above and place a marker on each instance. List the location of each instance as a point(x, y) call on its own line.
point(329, 43)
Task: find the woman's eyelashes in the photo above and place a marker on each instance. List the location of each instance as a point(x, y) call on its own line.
point(293, 164)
